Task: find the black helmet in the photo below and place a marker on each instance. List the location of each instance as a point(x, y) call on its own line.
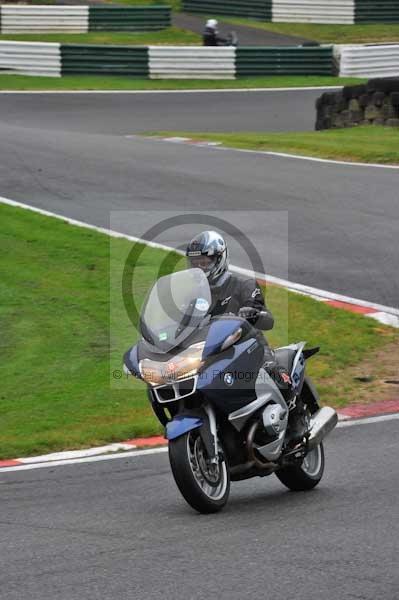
point(208, 251)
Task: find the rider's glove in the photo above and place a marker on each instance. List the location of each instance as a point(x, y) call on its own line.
point(248, 312)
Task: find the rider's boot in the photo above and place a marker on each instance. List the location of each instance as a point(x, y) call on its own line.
point(297, 425)
point(297, 417)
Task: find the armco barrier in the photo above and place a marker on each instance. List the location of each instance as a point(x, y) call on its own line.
point(314, 11)
point(137, 18)
point(26, 58)
point(81, 19)
point(104, 60)
point(376, 11)
point(188, 62)
point(367, 61)
point(253, 9)
point(283, 60)
point(44, 19)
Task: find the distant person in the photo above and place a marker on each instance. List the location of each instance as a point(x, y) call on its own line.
point(211, 36)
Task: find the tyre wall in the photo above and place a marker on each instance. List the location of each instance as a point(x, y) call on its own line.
point(301, 11)
point(376, 102)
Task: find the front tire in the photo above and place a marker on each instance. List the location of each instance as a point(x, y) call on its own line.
point(306, 476)
point(205, 487)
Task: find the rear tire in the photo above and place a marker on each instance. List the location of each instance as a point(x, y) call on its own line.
point(205, 488)
point(306, 476)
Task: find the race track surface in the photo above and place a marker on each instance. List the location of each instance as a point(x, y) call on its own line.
point(134, 113)
point(69, 154)
point(119, 529)
point(247, 36)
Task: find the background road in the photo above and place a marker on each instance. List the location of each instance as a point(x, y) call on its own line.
point(119, 529)
point(131, 113)
point(69, 154)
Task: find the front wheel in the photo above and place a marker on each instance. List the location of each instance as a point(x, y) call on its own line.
point(306, 475)
point(204, 485)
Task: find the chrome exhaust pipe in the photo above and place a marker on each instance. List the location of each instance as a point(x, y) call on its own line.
point(321, 424)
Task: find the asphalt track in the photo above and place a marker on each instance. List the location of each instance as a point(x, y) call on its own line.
point(119, 529)
point(119, 114)
point(329, 226)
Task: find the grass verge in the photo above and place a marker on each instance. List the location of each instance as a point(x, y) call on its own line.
point(334, 34)
point(171, 36)
point(100, 82)
point(64, 334)
point(369, 144)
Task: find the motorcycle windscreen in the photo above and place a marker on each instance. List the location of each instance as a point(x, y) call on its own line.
point(175, 307)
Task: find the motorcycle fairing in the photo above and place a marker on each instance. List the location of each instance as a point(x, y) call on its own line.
point(242, 362)
point(267, 393)
point(182, 424)
point(218, 332)
point(292, 358)
point(189, 420)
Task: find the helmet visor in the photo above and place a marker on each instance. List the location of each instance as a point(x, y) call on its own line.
point(202, 261)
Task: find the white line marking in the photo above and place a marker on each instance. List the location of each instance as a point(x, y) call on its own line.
point(369, 420)
point(269, 278)
point(74, 454)
point(136, 453)
point(329, 161)
point(87, 459)
point(199, 91)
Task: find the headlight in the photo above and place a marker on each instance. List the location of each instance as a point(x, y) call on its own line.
point(181, 366)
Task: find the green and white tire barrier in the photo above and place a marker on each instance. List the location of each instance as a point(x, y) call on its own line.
point(30, 58)
point(345, 12)
point(163, 62)
point(82, 19)
point(196, 62)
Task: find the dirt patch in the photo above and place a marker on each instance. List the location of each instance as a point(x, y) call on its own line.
point(372, 379)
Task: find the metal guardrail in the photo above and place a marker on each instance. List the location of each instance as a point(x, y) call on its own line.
point(132, 18)
point(29, 58)
point(367, 61)
point(81, 19)
point(284, 60)
point(253, 9)
point(190, 62)
point(44, 19)
point(314, 11)
point(104, 60)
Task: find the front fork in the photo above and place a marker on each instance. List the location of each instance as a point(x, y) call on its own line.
point(213, 431)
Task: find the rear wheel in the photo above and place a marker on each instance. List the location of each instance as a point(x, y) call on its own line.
point(204, 485)
point(306, 475)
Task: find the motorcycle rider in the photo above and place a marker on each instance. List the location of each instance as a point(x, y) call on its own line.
point(210, 36)
point(242, 296)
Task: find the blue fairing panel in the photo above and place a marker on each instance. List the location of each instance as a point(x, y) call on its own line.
point(181, 425)
point(219, 330)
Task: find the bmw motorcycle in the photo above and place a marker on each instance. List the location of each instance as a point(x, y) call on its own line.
point(225, 418)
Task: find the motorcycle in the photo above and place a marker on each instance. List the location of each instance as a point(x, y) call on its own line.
point(225, 418)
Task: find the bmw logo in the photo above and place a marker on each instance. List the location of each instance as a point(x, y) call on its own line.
point(229, 379)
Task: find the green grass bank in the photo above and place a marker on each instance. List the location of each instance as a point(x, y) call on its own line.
point(64, 331)
point(115, 83)
point(369, 144)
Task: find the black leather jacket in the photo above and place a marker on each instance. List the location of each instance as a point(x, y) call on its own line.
point(234, 292)
point(211, 38)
